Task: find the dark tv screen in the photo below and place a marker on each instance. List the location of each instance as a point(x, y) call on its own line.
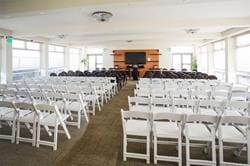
point(135, 58)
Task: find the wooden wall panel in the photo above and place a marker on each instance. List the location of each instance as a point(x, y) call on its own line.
point(152, 59)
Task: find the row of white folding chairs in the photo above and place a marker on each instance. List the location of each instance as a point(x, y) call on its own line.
point(73, 104)
point(87, 92)
point(178, 81)
point(194, 127)
point(189, 106)
point(33, 116)
point(193, 94)
point(206, 87)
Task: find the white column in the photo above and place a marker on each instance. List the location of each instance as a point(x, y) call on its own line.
point(5, 61)
point(226, 58)
point(210, 60)
point(44, 59)
point(165, 59)
point(66, 59)
point(230, 61)
point(108, 59)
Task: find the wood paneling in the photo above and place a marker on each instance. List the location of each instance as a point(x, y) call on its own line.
point(152, 59)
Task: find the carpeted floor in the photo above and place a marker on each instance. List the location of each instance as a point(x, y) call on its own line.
point(97, 144)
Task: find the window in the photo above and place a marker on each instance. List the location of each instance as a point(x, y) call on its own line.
point(74, 59)
point(182, 58)
point(56, 58)
point(26, 59)
point(95, 56)
point(202, 59)
point(243, 59)
point(219, 59)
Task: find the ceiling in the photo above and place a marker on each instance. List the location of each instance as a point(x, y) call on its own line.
point(146, 22)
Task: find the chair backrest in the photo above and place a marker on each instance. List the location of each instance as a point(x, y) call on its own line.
point(185, 103)
point(134, 115)
point(142, 92)
point(7, 104)
point(163, 102)
point(138, 101)
point(169, 116)
point(25, 106)
point(202, 118)
point(240, 120)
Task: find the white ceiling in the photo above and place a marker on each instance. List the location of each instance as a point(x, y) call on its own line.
point(146, 22)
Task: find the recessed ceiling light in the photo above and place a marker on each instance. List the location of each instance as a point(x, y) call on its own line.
point(102, 16)
point(191, 31)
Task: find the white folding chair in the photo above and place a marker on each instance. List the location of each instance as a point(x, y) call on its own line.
point(229, 133)
point(136, 123)
point(196, 129)
point(8, 114)
point(167, 126)
point(26, 114)
point(200, 95)
point(50, 116)
point(142, 92)
point(76, 107)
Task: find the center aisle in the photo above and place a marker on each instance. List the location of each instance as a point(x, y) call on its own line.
point(101, 144)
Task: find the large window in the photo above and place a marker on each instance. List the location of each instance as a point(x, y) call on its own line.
point(74, 58)
point(26, 59)
point(56, 58)
point(182, 58)
point(202, 59)
point(95, 56)
point(219, 59)
point(243, 59)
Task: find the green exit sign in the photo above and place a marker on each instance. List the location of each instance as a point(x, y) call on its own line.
point(9, 39)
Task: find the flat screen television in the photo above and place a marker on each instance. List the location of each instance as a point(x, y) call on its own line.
point(135, 57)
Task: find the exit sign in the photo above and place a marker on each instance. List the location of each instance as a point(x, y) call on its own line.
point(9, 39)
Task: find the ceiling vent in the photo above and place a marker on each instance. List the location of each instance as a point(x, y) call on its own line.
point(102, 16)
point(191, 31)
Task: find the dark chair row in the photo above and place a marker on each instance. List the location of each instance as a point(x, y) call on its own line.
point(178, 74)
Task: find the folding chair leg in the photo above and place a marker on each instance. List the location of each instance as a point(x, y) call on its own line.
point(155, 149)
point(124, 148)
point(34, 134)
point(221, 151)
point(187, 152)
point(18, 132)
point(248, 148)
point(214, 151)
point(38, 135)
point(55, 138)
point(148, 149)
point(13, 131)
point(180, 150)
point(85, 114)
point(79, 119)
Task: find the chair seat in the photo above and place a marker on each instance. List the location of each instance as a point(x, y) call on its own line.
point(229, 112)
point(197, 131)
point(27, 116)
point(166, 129)
point(183, 110)
point(161, 109)
point(137, 127)
point(52, 119)
point(8, 116)
point(231, 134)
point(4, 111)
point(144, 108)
point(205, 111)
point(238, 98)
point(75, 106)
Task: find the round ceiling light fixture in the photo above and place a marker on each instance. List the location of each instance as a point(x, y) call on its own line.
point(102, 16)
point(192, 31)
